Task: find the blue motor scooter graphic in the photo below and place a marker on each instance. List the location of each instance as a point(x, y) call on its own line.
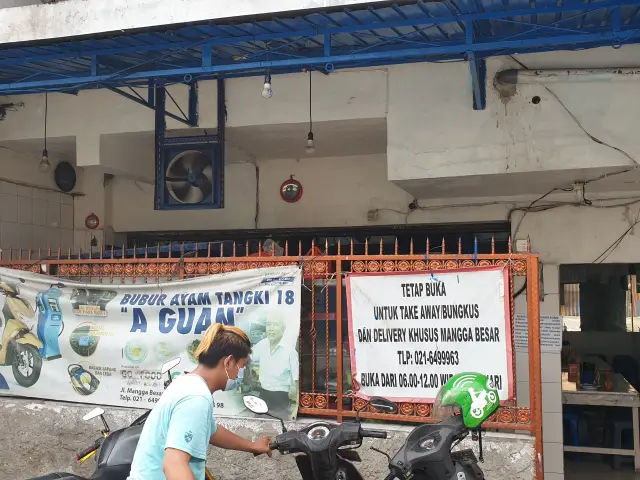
point(50, 322)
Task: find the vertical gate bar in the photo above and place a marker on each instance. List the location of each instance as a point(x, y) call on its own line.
point(339, 359)
point(327, 350)
point(512, 309)
point(535, 394)
point(312, 331)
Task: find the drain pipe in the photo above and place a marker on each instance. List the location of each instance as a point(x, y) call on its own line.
point(564, 75)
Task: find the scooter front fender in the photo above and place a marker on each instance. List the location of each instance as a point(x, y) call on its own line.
point(29, 339)
point(16, 331)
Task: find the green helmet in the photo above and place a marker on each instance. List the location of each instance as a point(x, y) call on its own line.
point(471, 394)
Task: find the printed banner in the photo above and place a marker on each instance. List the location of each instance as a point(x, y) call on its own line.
point(105, 344)
point(411, 332)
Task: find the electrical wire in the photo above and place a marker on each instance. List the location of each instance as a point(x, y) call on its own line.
point(310, 116)
point(611, 248)
point(46, 115)
point(577, 122)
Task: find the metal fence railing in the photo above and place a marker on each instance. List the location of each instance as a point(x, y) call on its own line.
point(325, 377)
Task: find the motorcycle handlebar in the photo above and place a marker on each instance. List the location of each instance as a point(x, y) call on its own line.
point(373, 433)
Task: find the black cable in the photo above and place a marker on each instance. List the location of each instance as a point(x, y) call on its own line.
point(577, 122)
point(46, 110)
point(611, 248)
point(310, 118)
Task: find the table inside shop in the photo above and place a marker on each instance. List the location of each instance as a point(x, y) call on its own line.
point(598, 363)
point(622, 395)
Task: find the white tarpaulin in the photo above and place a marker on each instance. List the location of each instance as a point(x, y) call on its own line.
point(105, 344)
point(411, 332)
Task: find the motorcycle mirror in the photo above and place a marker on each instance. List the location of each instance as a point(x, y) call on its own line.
point(255, 405)
point(96, 412)
point(169, 365)
point(383, 405)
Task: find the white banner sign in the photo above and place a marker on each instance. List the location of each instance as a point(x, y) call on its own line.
point(105, 344)
point(411, 332)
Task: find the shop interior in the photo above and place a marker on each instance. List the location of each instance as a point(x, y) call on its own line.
point(600, 367)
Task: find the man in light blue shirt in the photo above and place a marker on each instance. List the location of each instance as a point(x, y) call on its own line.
point(174, 441)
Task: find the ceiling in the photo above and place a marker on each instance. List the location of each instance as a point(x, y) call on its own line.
point(59, 148)
point(332, 139)
point(514, 184)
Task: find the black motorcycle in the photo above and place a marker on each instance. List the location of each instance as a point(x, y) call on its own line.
point(426, 454)
point(114, 450)
point(328, 448)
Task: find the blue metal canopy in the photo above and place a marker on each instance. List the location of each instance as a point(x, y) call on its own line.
point(414, 31)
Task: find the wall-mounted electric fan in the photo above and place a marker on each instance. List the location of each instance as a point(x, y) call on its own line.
point(190, 175)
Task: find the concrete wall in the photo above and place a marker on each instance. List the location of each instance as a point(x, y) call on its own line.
point(84, 17)
point(46, 437)
point(33, 213)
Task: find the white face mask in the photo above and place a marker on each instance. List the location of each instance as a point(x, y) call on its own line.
point(233, 384)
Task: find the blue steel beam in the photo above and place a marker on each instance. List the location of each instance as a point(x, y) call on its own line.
point(391, 55)
point(319, 32)
point(478, 70)
point(190, 120)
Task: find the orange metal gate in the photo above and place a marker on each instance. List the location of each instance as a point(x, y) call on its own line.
point(325, 372)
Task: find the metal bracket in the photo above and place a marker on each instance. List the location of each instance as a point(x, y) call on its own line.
point(190, 118)
point(478, 70)
point(157, 102)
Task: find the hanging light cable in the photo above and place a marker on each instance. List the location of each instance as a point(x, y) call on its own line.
point(310, 145)
point(44, 165)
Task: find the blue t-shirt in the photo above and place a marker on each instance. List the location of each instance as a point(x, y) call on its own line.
point(182, 419)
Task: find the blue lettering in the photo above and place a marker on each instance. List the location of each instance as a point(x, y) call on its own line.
point(125, 299)
point(185, 323)
point(175, 300)
point(167, 322)
point(225, 316)
point(204, 321)
point(139, 321)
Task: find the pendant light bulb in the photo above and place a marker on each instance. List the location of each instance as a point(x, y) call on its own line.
point(44, 165)
point(311, 149)
point(267, 92)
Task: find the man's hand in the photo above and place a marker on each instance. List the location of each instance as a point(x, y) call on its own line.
point(261, 446)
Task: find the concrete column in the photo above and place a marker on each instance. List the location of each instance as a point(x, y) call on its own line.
point(91, 177)
point(551, 383)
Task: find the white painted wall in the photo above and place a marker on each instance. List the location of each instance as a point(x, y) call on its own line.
point(513, 145)
point(33, 214)
point(84, 17)
point(344, 95)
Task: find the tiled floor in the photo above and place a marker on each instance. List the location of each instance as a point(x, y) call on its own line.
point(597, 471)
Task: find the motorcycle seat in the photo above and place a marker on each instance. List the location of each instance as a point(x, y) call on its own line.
point(59, 476)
